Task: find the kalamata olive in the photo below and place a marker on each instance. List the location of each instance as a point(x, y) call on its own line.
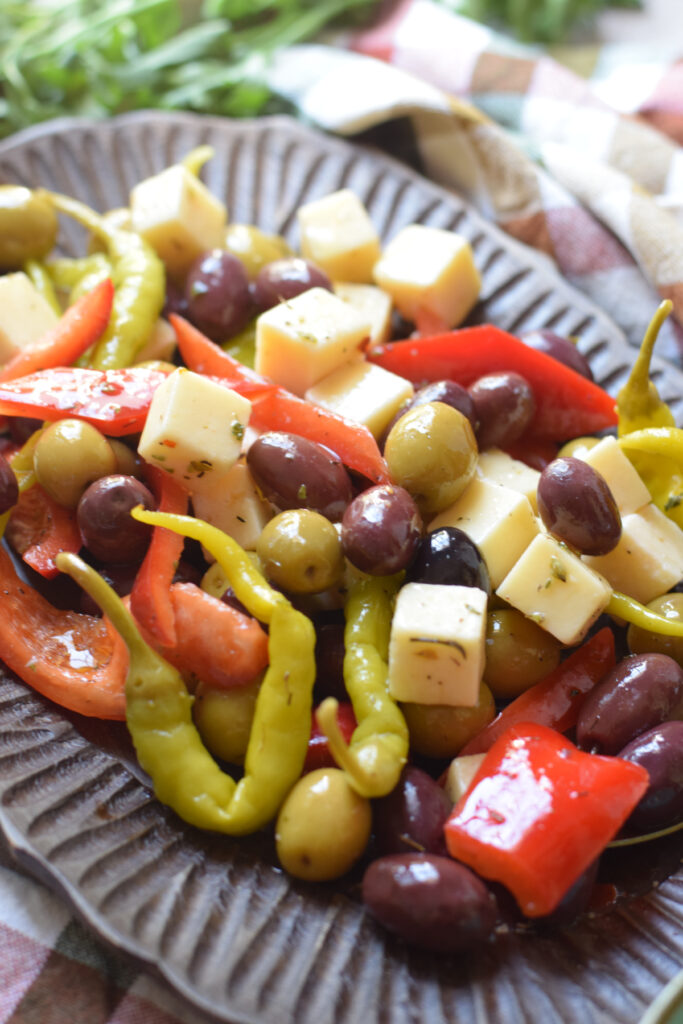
point(574, 902)
point(68, 456)
point(559, 348)
point(217, 294)
point(301, 552)
point(293, 472)
point(285, 279)
point(448, 556)
point(254, 247)
point(446, 391)
point(9, 488)
point(381, 530)
point(119, 577)
point(505, 406)
point(518, 653)
point(23, 427)
point(430, 901)
point(640, 692)
point(329, 661)
point(412, 816)
point(577, 506)
point(660, 752)
point(175, 301)
point(440, 730)
point(108, 530)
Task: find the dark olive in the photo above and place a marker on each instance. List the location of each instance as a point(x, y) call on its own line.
point(285, 279)
point(329, 661)
point(217, 294)
point(381, 530)
point(660, 751)
point(640, 692)
point(559, 348)
point(577, 506)
point(411, 818)
point(108, 530)
point(9, 488)
point(430, 901)
point(293, 472)
point(23, 427)
point(505, 406)
point(574, 902)
point(449, 556)
point(446, 391)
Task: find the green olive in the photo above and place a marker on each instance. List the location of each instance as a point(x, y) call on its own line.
point(223, 718)
point(441, 730)
point(643, 641)
point(301, 552)
point(578, 447)
point(128, 462)
point(432, 452)
point(28, 226)
point(323, 826)
point(254, 247)
point(68, 457)
point(518, 653)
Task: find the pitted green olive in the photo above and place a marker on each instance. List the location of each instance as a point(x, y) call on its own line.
point(69, 456)
point(301, 552)
point(439, 730)
point(28, 226)
point(224, 717)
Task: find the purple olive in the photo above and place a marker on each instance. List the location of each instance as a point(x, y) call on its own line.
point(217, 294)
point(505, 406)
point(660, 752)
point(293, 472)
point(285, 279)
point(381, 530)
point(411, 818)
point(9, 488)
point(559, 348)
point(108, 530)
point(577, 506)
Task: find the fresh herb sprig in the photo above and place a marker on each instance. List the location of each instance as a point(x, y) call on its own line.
point(537, 21)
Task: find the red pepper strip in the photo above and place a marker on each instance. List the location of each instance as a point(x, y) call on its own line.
point(150, 598)
point(556, 700)
point(38, 529)
point(539, 811)
point(78, 661)
point(319, 754)
point(80, 326)
point(567, 404)
point(275, 408)
point(114, 401)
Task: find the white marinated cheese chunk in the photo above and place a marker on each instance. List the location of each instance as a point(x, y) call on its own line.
point(235, 506)
point(337, 234)
point(460, 773)
point(500, 468)
point(436, 649)
point(300, 341)
point(25, 315)
point(429, 270)
point(500, 521)
point(648, 560)
point(373, 304)
point(194, 430)
point(552, 586)
point(175, 212)
point(607, 459)
point(362, 392)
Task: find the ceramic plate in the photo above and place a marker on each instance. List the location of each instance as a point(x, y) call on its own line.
point(214, 916)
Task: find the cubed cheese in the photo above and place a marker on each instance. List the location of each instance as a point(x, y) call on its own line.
point(436, 650)
point(373, 304)
point(25, 315)
point(552, 586)
point(429, 271)
point(648, 560)
point(500, 521)
point(175, 212)
point(300, 341)
point(194, 429)
point(460, 773)
point(362, 392)
point(337, 234)
point(500, 468)
point(607, 459)
point(235, 506)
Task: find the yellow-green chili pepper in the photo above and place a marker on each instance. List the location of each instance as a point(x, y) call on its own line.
point(379, 745)
point(42, 282)
point(630, 610)
point(139, 279)
point(657, 454)
point(196, 158)
point(243, 345)
point(638, 402)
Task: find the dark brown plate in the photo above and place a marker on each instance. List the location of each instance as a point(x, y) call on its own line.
point(214, 916)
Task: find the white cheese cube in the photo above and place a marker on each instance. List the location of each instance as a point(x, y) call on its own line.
point(500, 468)
point(648, 560)
point(607, 459)
point(300, 341)
point(436, 649)
point(194, 429)
point(25, 315)
point(338, 235)
point(362, 392)
point(552, 586)
point(373, 304)
point(500, 521)
point(432, 271)
point(175, 212)
point(460, 773)
point(235, 506)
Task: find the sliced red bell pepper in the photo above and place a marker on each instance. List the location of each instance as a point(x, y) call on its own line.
point(319, 754)
point(78, 661)
point(556, 700)
point(38, 529)
point(567, 404)
point(538, 813)
point(114, 401)
point(79, 327)
point(206, 357)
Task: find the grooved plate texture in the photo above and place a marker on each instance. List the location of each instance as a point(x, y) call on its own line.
point(214, 916)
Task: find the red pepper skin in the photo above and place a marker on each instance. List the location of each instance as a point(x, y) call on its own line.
point(39, 528)
point(556, 700)
point(79, 327)
point(539, 811)
point(567, 404)
point(114, 401)
point(206, 357)
point(318, 754)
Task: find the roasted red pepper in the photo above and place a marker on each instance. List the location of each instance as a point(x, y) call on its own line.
point(39, 528)
point(567, 404)
point(555, 701)
point(206, 357)
point(539, 811)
